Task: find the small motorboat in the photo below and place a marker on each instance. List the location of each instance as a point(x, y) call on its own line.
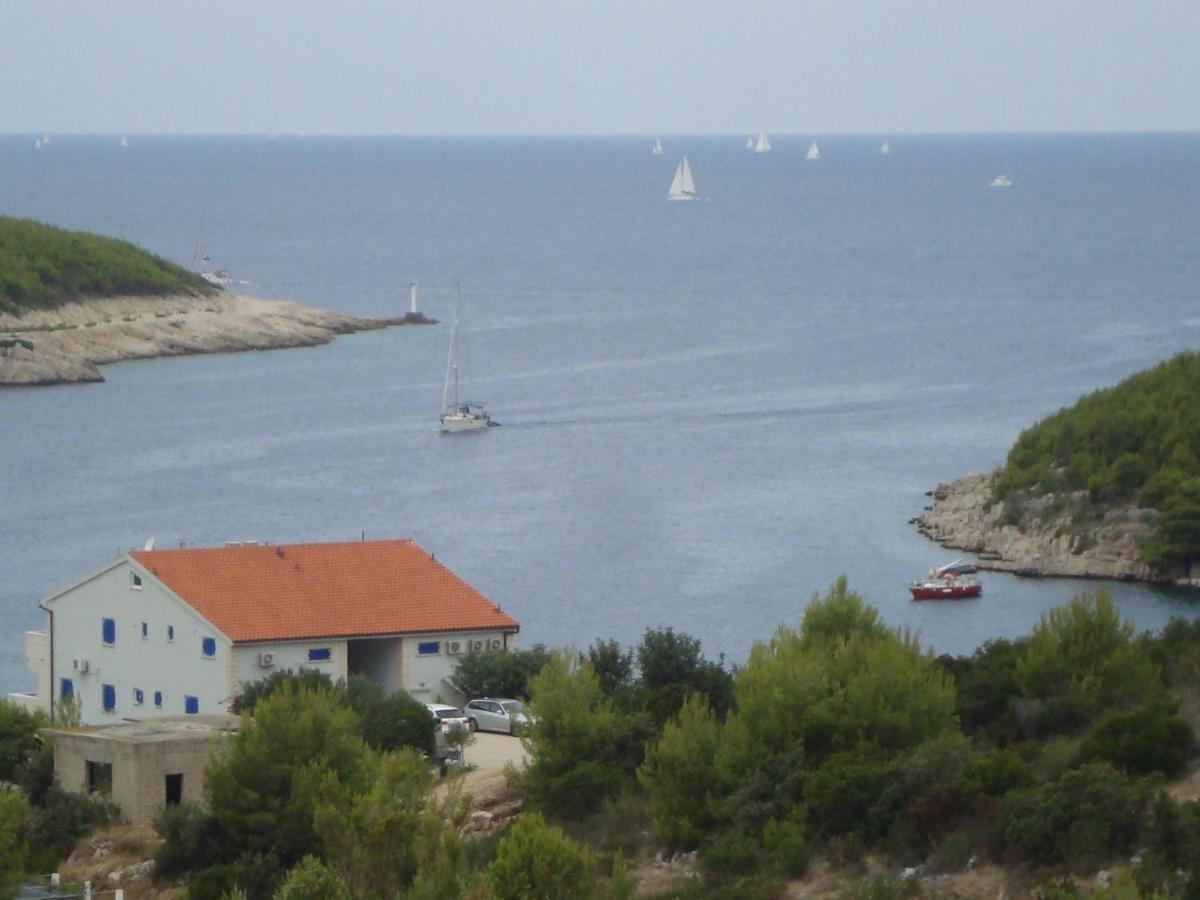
point(953, 582)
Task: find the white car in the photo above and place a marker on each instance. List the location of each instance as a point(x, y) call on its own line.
point(447, 716)
point(508, 716)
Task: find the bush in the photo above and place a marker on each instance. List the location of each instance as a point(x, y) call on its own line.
point(672, 667)
point(1088, 816)
point(61, 820)
point(192, 840)
point(679, 774)
point(19, 738)
point(1148, 739)
point(995, 774)
point(500, 673)
point(254, 691)
point(14, 847)
point(390, 722)
point(255, 876)
point(536, 860)
point(311, 879)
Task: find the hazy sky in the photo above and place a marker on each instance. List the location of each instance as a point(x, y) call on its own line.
point(598, 66)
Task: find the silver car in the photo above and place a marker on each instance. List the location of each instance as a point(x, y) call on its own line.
point(508, 716)
point(447, 716)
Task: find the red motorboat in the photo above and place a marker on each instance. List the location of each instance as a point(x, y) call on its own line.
point(946, 587)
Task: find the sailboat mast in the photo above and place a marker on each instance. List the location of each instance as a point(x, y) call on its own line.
point(196, 243)
point(451, 362)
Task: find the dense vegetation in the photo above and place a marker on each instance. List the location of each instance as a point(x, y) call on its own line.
point(1137, 442)
point(839, 740)
point(42, 267)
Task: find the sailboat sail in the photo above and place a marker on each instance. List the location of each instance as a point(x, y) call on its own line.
point(813, 152)
point(459, 415)
point(683, 186)
point(658, 147)
point(884, 149)
point(763, 144)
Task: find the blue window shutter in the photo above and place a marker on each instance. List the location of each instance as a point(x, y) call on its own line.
point(170, 632)
point(209, 646)
point(428, 647)
point(138, 696)
point(158, 698)
point(108, 630)
point(66, 688)
point(145, 629)
point(110, 697)
point(191, 705)
point(320, 654)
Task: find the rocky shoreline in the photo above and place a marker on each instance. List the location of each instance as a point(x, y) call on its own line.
point(66, 345)
point(1043, 538)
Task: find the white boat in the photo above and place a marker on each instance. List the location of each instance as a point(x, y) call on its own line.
point(218, 277)
point(1002, 181)
point(813, 151)
point(459, 415)
point(884, 149)
point(658, 148)
point(763, 144)
point(683, 187)
point(750, 142)
point(124, 142)
point(37, 145)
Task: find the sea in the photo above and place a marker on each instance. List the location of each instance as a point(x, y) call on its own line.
point(710, 410)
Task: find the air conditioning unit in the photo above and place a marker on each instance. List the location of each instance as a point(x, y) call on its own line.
point(476, 646)
point(266, 660)
point(81, 665)
point(496, 644)
point(454, 647)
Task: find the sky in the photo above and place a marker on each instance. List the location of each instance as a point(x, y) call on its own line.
point(598, 66)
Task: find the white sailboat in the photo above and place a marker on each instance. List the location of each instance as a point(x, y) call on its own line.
point(813, 151)
point(459, 415)
point(763, 144)
point(683, 187)
point(124, 142)
point(884, 149)
point(658, 147)
point(750, 142)
point(37, 145)
point(1002, 181)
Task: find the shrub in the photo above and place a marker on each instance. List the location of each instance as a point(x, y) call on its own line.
point(390, 722)
point(311, 879)
point(61, 820)
point(995, 774)
point(672, 667)
point(679, 774)
point(192, 840)
point(254, 876)
point(1148, 739)
point(535, 860)
point(18, 737)
point(14, 847)
point(500, 673)
point(254, 691)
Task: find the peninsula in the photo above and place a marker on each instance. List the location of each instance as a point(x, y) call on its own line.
point(1108, 488)
point(71, 302)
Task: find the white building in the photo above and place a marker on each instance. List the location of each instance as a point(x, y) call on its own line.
point(159, 633)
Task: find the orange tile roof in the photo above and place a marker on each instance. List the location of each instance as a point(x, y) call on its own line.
point(358, 588)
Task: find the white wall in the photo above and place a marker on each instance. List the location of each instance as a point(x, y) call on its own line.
point(177, 667)
point(424, 674)
point(289, 655)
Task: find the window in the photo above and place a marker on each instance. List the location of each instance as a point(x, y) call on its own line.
point(138, 696)
point(170, 632)
point(158, 699)
point(428, 648)
point(209, 646)
point(319, 654)
point(135, 581)
point(66, 688)
point(99, 777)
point(108, 631)
point(109, 696)
point(145, 630)
point(191, 705)
point(174, 792)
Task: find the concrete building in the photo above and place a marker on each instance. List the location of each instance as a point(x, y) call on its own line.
point(140, 766)
point(164, 633)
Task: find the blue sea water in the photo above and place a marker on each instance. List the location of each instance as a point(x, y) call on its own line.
point(711, 410)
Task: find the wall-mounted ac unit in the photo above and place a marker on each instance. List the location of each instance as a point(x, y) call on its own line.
point(496, 644)
point(454, 647)
point(476, 646)
point(81, 665)
point(266, 660)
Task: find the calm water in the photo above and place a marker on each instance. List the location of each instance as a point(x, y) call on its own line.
point(711, 410)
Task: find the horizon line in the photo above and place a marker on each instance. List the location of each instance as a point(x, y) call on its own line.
point(596, 134)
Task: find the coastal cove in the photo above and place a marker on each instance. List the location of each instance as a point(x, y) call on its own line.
point(710, 410)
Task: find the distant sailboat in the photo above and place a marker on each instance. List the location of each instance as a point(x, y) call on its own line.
point(683, 187)
point(750, 142)
point(1001, 181)
point(813, 151)
point(459, 415)
point(124, 142)
point(658, 148)
point(763, 144)
point(37, 145)
point(884, 149)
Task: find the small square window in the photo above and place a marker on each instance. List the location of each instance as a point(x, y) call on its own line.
point(145, 629)
point(108, 631)
point(135, 581)
point(191, 705)
point(158, 699)
point(429, 648)
point(66, 688)
point(138, 696)
point(170, 632)
point(109, 695)
point(320, 654)
point(209, 646)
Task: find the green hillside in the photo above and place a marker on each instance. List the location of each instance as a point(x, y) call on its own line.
point(1136, 443)
point(42, 267)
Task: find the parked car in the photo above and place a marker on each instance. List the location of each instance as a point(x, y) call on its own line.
point(447, 716)
point(508, 716)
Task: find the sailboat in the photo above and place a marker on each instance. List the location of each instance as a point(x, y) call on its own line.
point(1002, 181)
point(459, 415)
point(750, 142)
point(682, 185)
point(884, 149)
point(658, 148)
point(124, 142)
point(763, 144)
point(813, 152)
